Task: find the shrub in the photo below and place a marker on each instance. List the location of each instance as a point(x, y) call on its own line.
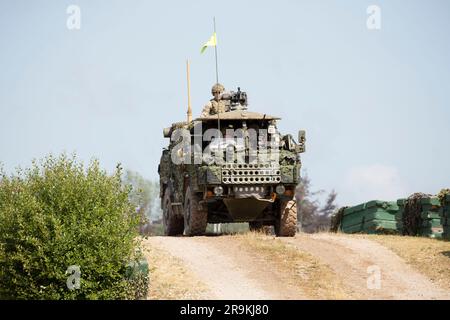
point(56, 214)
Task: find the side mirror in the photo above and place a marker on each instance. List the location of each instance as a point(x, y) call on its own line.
point(166, 132)
point(301, 141)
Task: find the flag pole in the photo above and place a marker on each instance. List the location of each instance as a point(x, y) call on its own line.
point(217, 77)
point(215, 50)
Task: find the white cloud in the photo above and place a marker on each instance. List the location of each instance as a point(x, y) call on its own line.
point(371, 182)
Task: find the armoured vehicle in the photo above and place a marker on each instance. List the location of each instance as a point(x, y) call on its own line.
point(246, 172)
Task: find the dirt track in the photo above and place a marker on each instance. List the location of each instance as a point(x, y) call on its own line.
point(225, 272)
point(229, 271)
point(350, 258)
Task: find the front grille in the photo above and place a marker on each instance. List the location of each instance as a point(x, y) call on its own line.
point(260, 173)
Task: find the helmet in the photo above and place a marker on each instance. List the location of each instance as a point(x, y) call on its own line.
point(217, 88)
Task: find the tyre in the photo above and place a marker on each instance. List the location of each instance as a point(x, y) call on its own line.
point(286, 222)
point(173, 224)
point(195, 217)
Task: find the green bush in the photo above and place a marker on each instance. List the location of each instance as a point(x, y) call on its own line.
point(58, 214)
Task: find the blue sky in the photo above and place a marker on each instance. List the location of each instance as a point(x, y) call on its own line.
point(374, 103)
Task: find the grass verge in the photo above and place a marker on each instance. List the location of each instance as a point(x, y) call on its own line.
point(431, 257)
point(169, 279)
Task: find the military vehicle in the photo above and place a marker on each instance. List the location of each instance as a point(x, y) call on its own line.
point(197, 190)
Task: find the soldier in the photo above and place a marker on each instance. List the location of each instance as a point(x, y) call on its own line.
point(216, 104)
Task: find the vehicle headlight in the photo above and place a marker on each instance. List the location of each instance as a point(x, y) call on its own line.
point(218, 191)
point(280, 189)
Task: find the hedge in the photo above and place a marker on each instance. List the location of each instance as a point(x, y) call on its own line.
point(58, 214)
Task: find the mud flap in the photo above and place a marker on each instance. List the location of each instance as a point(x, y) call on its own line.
point(177, 208)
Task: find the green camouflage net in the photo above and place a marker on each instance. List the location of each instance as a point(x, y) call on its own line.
point(441, 196)
point(412, 219)
point(137, 274)
point(336, 220)
point(138, 287)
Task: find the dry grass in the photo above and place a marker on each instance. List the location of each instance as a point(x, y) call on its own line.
point(298, 269)
point(430, 257)
point(169, 279)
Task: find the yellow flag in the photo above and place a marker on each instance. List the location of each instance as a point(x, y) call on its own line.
point(212, 42)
